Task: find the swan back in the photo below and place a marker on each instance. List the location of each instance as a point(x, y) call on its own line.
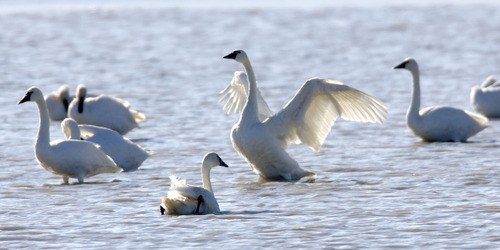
point(104, 111)
point(126, 154)
point(486, 98)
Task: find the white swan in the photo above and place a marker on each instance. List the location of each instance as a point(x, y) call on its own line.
point(103, 111)
point(438, 123)
point(307, 118)
point(184, 199)
point(58, 103)
point(486, 98)
point(126, 154)
point(70, 158)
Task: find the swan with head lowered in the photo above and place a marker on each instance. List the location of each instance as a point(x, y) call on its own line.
point(307, 118)
point(104, 111)
point(184, 199)
point(58, 103)
point(68, 159)
point(438, 123)
point(486, 98)
point(126, 154)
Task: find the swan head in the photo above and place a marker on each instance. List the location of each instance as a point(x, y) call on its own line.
point(408, 63)
point(32, 95)
point(211, 160)
point(81, 91)
point(237, 55)
point(63, 92)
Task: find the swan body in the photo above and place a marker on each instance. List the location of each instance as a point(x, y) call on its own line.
point(104, 111)
point(444, 124)
point(486, 98)
point(126, 154)
point(58, 103)
point(184, 199)
point(70, 158)
point(307, 119)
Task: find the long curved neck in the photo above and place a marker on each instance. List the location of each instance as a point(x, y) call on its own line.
point(250, 111)
point(43, 136)
point(413, 110)
point(205, 178)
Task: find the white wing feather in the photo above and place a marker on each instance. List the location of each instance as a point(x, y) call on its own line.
point(311, 113)
point(491, 81)
point(235, 96)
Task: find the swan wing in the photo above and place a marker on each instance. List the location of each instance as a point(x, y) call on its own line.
point(235, 95)
point(311, 113)
point(490, 81)
point(477, 117)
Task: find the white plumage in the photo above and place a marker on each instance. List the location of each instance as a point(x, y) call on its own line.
point(307, 118)
point(236, 93)
point(104, 111)
point(68, 159)
point(184, 199)
point(58, 103)
point(126, 154)
point(438, 123)
point(486, 98)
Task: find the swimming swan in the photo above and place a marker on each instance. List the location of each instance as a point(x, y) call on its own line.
point(184, 199)
point(103, 111)
point(126, 154)
point(71, 158)
point(58, 103)
point(307, 118)
point(486, 98)
point(438, 123)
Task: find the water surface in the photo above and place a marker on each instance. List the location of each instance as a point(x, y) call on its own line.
point(378, 186)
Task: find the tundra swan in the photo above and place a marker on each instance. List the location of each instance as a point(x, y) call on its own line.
point(184, 199)
point(103, 111)
point(71, 158)
point(126, 154)
point(58, 103)
point(438, 123)
point(486, 98)
point(307, 118)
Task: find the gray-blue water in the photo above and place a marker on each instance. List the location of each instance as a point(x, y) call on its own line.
point(378, 186)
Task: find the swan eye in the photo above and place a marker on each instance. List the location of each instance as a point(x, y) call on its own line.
point(27, 97)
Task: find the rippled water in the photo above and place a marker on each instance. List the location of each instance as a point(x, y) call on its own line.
point(378, 186)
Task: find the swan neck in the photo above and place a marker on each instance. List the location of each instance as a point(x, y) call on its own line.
point(205, 178)
point(43, 136)
point(81, 101)
point(250, 111)
point(414, 108)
